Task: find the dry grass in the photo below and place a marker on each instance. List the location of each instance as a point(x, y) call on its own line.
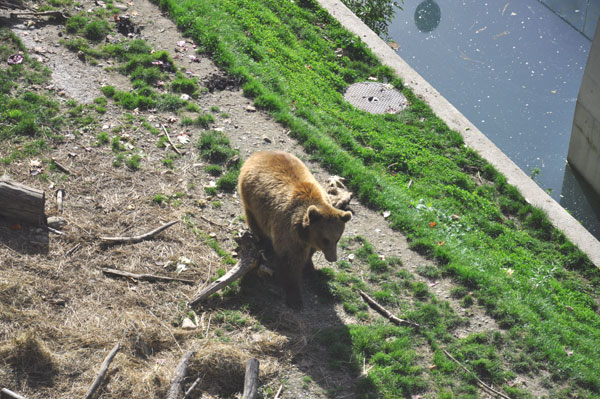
point(59, 315)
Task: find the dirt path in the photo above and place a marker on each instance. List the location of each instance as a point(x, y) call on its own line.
point(78, 314)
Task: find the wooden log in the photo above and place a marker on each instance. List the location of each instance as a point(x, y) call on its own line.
point(102, 372)
point(176, 388)
point(251, 379)
point(21, 203)
point(7, 393)
point(144, 277)
point(249, 259)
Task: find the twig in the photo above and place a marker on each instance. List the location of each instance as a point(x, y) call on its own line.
point(251, 379)
point(60, 167)
point(211, 222)
point(140, 237)
point(10, 394)
point(102, 372)
point(278, 392)
point(59, 199)
point(479, 381)
point(191, 388)
point(75, 248)
point(53, 230)
point(180, 373)
point(386, 313)
point(144, 277)
point(170, 142)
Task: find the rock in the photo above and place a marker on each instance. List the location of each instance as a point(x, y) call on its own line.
point(56, 222)
point(250, 108)
point(121, 7)
point(188, 324)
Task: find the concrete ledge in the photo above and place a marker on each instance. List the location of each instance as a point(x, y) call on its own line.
point(472, 136)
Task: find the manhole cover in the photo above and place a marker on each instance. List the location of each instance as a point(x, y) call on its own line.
point(376, 98)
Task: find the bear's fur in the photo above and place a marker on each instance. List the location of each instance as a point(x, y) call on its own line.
point(286, 207)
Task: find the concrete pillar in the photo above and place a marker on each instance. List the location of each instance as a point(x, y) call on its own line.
point(584, 147)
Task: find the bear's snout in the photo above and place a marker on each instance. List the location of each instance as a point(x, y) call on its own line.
point(331, 255)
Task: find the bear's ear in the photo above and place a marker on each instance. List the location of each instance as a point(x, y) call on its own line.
point(345, 216)
point(312, 215)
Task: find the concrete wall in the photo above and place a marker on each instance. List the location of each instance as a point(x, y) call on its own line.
point(584, 147)
point(581, 14)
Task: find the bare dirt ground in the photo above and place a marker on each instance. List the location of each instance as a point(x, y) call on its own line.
point(60, 315)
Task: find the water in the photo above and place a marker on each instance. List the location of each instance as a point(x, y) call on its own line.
point(514, 70)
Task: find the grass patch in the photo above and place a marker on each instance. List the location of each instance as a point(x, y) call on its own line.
point(474, 228)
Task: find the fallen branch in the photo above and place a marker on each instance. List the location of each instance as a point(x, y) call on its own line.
point(278, 392)
point(191, 388)
point(251, 379)
point(180, 373)
point(10, 394)
point(170, 142)
point(249, 259)
point(102, 372)
point(144, 277)
point(386, 313)
point(59, 15)
point(139, 238)
point(479, 381)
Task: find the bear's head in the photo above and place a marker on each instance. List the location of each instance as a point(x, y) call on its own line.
point(323, 226)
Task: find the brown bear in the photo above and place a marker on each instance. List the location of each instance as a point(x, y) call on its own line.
point(286, 207)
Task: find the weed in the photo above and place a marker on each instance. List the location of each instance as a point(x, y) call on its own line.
point(102, 138)
point(133, 162)
point(181, 84)
point(214, 170)
point(228, 181)
point(160, 199)
point(119, 159)
point(96, 30)
point(168, 162)
point(108, 91)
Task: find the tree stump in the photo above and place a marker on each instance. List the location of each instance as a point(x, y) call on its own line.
point(22, 203)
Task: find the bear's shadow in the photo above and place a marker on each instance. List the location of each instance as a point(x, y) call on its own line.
point(318, 340)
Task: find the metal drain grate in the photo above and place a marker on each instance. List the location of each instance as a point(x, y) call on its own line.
point(376, 98)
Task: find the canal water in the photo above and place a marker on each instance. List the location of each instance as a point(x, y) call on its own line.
point(514, 70)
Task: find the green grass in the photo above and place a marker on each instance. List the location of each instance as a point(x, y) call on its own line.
point(30, 118)
point(475, 229)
